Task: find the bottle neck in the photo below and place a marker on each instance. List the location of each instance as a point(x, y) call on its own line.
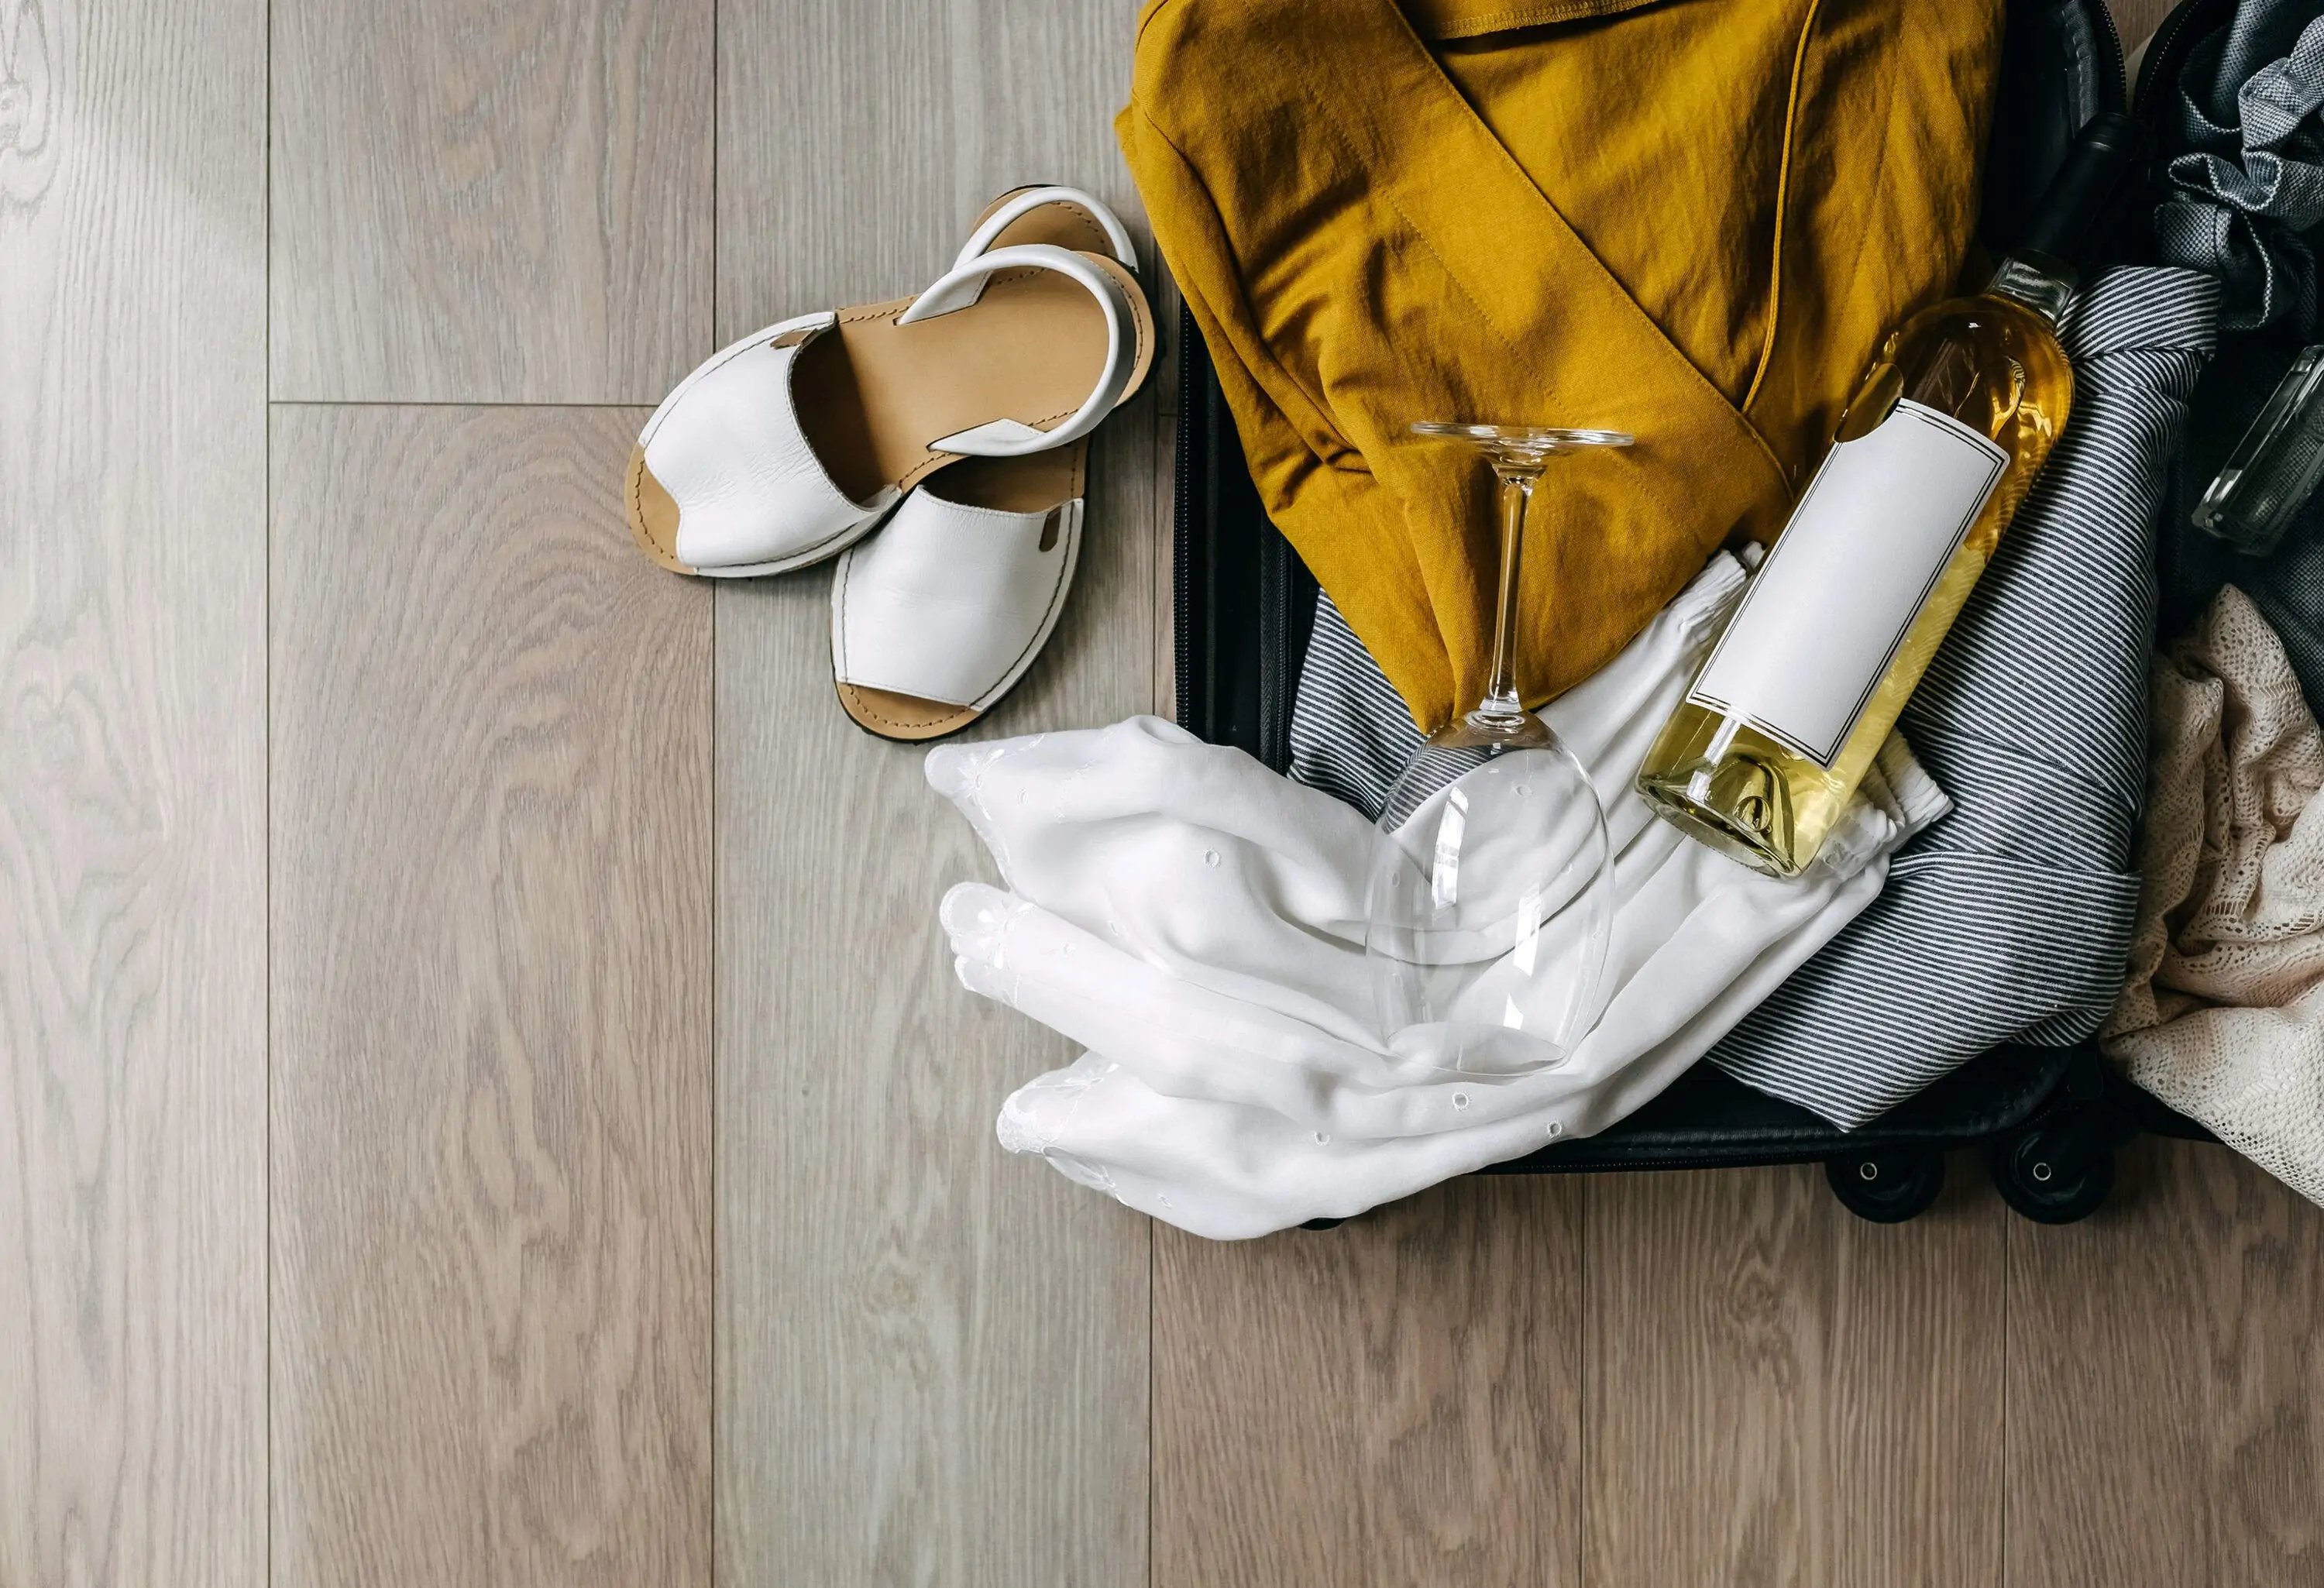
point(2044, 284)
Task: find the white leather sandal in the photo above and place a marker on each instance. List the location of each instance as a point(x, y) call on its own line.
point(795, 442)
point(938, 616)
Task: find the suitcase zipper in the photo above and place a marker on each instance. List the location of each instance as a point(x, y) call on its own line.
point(1278, 685)
point(2164, 55)
point(1182, 534)
point(2118, 79)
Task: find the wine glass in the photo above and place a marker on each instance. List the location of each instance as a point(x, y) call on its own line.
point(1491, 901)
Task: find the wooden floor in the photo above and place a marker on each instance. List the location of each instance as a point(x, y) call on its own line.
point(482, 1098)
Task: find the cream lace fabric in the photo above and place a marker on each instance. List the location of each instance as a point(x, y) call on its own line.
point(2222, 1016)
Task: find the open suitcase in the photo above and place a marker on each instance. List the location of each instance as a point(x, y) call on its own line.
point(2047, 1119)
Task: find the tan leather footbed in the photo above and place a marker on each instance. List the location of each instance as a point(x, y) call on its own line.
point(903, 716)
point(1016, 485)
point(872, 394)
point(1013, 484)
point(1064, 225)
point(654, 516)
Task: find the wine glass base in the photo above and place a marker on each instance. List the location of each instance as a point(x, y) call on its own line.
point(1471, 1048)
point(1520, 445)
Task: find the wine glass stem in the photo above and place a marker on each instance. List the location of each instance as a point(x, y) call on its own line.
point(1501, 691)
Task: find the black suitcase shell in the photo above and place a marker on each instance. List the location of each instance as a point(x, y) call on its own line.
point(2047, 1119)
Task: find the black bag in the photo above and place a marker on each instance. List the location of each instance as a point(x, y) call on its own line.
point(2048, 1119)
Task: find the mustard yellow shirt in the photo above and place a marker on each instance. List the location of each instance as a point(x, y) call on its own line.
point(1692, 220)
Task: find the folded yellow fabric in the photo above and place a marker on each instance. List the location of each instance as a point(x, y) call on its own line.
point(1691, 221)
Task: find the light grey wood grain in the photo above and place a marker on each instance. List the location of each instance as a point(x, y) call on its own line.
point(932, 1356)
point(2166, 1382)
point(133, 744)
point(1780, 1393)
point(490, 972)
point(856, 143)
point(1397, 1401)
point(490, 200)
point(493, 941)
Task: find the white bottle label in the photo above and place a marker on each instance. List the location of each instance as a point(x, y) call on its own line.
point(1828, 611)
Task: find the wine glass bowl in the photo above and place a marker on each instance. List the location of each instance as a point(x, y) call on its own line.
point(1491, 899)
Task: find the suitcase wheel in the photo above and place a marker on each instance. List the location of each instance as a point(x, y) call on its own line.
point(1887, 1189)
point(2054, 1174)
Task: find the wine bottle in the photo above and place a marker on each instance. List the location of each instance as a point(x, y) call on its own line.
point(1932, 457)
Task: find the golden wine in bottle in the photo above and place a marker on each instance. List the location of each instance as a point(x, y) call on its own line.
point(1931, 457)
